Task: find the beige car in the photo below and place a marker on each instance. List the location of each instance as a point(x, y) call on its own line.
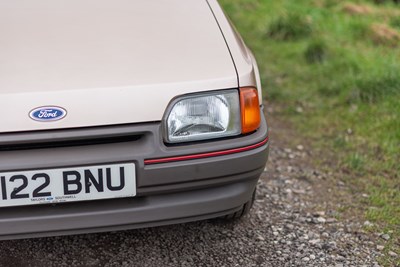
point(124, 114)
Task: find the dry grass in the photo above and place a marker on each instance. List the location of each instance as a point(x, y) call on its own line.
point(356, 9)
point(383, 34)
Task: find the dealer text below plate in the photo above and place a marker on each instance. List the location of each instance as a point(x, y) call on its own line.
point(67, 184)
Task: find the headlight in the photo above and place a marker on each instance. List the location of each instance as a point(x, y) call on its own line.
point(200, 117)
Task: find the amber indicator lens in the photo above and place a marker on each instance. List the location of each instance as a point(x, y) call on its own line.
point(250, 109)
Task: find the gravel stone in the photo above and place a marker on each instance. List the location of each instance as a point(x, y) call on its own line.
point(320, 220)
point(380, 248)
point(368, 224)
point(385, 237)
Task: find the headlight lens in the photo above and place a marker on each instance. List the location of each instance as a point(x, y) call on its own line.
point(200, 117)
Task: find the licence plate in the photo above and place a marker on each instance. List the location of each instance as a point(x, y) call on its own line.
point(67, 184)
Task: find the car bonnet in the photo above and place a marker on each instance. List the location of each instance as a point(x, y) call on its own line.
point(105, 62)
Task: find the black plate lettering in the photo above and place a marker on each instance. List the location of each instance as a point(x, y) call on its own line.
point(15, 194)
point(37, 192)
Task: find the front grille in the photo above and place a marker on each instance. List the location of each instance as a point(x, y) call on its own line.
point(68, 138)
point(70, 143)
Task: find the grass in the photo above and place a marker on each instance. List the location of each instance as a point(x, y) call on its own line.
point(316, 51)
point(395, 22)
point(290, 26)
point(338, 60)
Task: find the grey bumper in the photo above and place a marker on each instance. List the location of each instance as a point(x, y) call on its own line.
point(87, 217)
point(172, 192)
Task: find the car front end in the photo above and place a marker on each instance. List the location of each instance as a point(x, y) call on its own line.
point(119, 115)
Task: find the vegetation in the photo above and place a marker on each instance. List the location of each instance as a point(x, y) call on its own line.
point(340, 63)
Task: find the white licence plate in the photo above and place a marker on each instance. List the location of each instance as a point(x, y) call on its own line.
point(67, 184)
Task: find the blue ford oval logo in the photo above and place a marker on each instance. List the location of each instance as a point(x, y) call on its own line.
point(49, 113)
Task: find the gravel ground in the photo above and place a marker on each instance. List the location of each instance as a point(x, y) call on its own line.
point(289, 225)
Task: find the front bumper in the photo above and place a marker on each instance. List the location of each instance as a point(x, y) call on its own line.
point(167, 192)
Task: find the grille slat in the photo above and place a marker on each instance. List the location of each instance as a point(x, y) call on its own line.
point(70, 143)
point(69, 138)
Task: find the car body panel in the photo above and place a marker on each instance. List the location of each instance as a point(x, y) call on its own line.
point(79, 53)
point(245, 63)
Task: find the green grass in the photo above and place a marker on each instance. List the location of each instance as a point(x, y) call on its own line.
point(347, 79)
point(395, 22)
point(291, 26)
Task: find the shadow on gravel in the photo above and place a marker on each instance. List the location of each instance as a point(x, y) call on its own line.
point(204, 243)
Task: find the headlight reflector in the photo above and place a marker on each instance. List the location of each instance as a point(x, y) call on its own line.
point(200, 117)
